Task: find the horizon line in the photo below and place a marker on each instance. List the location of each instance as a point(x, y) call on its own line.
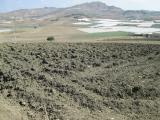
point(75, 5)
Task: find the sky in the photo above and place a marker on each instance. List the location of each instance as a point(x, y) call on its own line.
point(9, 5)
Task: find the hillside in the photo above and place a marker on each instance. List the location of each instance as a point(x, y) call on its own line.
point(93, 9)
point(29, 13)
point(142, 14)
point(87, 81)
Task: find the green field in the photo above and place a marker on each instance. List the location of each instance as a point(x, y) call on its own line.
point(156, 26)
point(109, 34)
point(106, 35)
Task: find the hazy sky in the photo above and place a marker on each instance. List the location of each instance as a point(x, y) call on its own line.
point(8, 5)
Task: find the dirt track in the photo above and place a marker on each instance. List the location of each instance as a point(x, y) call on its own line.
point(82, 81)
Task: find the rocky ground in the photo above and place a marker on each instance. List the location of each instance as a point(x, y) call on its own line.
point(82, 81)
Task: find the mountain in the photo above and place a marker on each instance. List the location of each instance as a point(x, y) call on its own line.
point(31, 13)
point(92, 9)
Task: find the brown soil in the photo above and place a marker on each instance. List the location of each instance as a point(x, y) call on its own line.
point(81, 81)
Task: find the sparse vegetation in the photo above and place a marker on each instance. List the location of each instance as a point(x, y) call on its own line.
point(82, 81)
point(51, 38)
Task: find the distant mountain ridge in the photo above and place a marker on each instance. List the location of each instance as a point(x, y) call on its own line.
point(92, 9)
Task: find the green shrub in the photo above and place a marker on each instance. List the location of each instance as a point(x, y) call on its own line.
point(51, 38)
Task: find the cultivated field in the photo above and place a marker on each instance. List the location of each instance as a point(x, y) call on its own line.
point(63, 31)
point(80, 81)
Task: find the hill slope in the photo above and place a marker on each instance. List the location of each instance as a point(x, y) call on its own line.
point(93, 9)
point(82, 81)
